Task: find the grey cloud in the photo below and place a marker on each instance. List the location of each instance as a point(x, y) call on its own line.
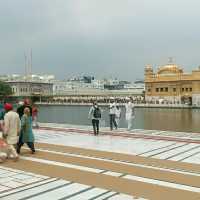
point(100, 37)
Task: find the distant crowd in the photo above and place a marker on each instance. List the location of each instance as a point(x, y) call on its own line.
point(106, 100)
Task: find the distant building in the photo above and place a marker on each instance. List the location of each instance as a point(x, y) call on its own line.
point(139, 82)
point(113, 84)
point(170, 84)
point(83, 79)
point(137, 87)
point(47, 85)
point(88, 79)
point(33, 77)
point(96, 88)
point(31, 88)
point(43, 78)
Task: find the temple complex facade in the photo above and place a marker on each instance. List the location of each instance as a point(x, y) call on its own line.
point(170, 84)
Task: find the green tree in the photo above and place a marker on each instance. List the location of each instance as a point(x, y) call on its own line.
point(5, 89)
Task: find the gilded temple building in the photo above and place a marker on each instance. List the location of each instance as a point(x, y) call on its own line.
point(172, 85)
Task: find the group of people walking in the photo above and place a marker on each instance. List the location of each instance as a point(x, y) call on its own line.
point(114, 114)
point(16, 128)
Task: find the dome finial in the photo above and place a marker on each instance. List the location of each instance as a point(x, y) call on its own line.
point(170, 60)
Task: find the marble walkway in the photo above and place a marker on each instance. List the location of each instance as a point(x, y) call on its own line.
point(72, 163)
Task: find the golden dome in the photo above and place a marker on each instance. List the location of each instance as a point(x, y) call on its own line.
point(169, 69)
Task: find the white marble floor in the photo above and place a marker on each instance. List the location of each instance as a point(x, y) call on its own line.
point(18, 185)
point(21, 185)
point(162, 149)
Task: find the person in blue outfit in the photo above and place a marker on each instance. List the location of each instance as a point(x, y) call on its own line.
point(26, 131)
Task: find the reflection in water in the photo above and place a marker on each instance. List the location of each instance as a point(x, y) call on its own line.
point(146, 118)
point(170, 119)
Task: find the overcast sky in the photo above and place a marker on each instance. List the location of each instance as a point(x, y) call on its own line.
point(104, 38)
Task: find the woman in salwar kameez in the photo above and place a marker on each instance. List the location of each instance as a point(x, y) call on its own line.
point(26, 131)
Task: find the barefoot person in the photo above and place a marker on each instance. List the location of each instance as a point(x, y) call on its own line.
point(35, 116)
point(112, 110)
point(26, 131)
point(11, 130)
point(117, 115)
point(130, 112)
point(95, 115)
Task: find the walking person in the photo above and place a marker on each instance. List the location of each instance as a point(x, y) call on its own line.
point(130, 112)
point(11, 130)
point(22, 106)
point(35, 115)
point(95, 115)
point(26, 131)
point(20, 111)
point(117, 115)
point(112, 111)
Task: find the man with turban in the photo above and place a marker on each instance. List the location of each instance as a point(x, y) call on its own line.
point(11, 129)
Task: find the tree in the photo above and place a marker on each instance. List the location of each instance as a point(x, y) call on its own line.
point(5, 89)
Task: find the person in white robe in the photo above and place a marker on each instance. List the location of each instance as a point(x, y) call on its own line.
point(130, 112)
